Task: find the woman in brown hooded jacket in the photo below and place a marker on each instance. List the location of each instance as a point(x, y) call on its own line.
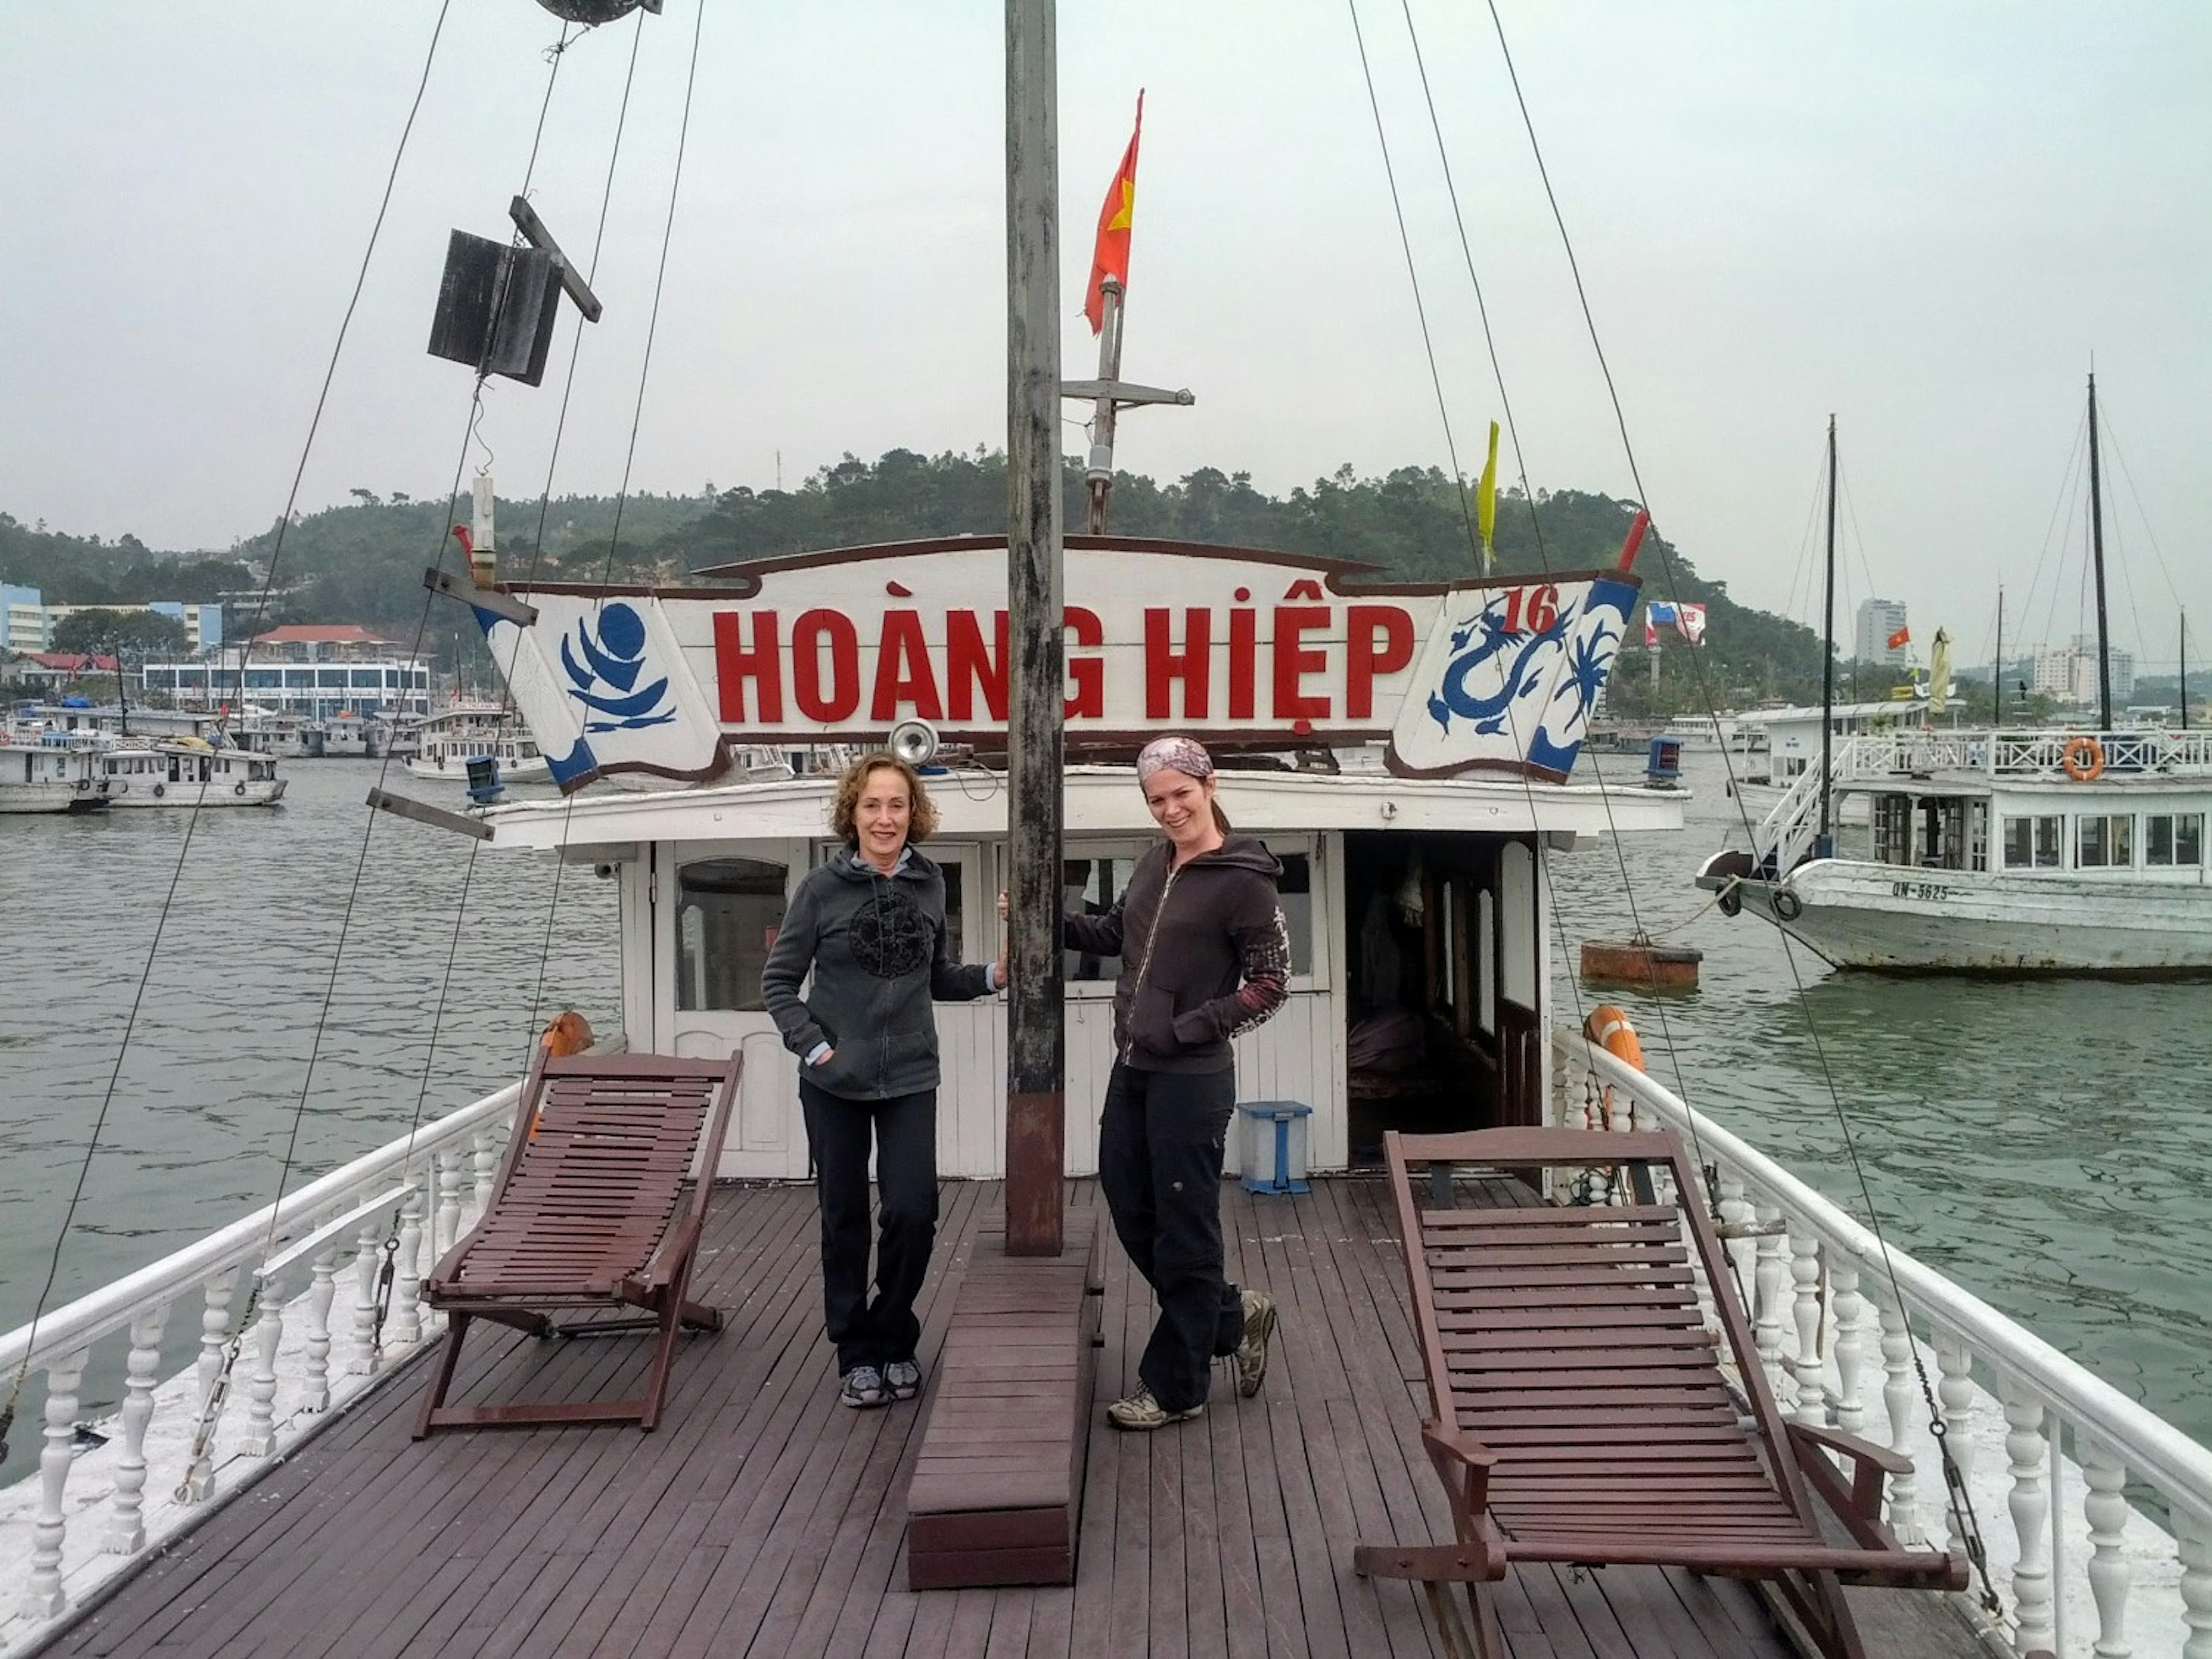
point(1206, 958)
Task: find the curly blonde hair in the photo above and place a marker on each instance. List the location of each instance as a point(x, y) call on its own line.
point(921, 822)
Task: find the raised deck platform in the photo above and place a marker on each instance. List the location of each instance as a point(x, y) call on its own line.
point(764, 1519)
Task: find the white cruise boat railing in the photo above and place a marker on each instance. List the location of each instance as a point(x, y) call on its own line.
point(316, 1341)
point(2057, 1461)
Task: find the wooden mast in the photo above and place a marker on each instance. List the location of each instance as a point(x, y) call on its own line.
point(1827, 654)
point(1997, 714)
point(1035, 1022)
point(2097, 551)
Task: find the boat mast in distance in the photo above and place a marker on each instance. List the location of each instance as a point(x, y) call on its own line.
point(1997, 674)
point(1823, 846)
point(2097, 551)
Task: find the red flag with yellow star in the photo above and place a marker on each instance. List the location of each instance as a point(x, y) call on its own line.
point(1111, 257)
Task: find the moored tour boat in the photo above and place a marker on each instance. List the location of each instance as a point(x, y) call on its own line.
point(183, 772)
point(442, 745)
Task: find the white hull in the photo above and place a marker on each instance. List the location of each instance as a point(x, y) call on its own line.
point(534, 770)
point(60, 796)
point(1895, 920)
point(126, 793)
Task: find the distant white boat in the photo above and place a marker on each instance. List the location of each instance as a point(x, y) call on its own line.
point(48, 772)
point(184, 772)
point(2012, 853)
point(445, 744)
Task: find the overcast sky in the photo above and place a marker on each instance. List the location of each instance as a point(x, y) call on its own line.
point(1926, 219)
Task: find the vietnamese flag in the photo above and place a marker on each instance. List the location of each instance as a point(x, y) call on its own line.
point(1900, 638)
point(1111, 257)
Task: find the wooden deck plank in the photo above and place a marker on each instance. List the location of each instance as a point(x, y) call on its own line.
point(762, 1519)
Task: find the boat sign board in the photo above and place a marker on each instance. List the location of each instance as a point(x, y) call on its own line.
point(1241, 649)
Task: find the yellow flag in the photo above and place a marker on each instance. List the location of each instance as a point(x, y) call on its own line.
point(1939, 673)
point(1485, 501)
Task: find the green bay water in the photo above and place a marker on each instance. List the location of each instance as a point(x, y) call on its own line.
point(2041, 1142)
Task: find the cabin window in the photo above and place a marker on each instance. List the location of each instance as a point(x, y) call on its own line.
point(727, 912)
point(2173, 839)
point(1892, 829)
point(2104, 842)
point(2032, 843)
point(1092, 886)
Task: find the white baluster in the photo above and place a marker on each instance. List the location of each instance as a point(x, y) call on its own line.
point(487, 1161)
point(1736, 1216)
point(2109, 1573)
point(322, 1291)
point(1850, 1310)
point(214, 1327)
point(43, 1596)
point(403, 1325)
point(1954, 1386)
point(1901, 1402)
point(368, 1246)
point(2193, 1533)
point(261, 1387)
point(126, 1523)
point(1770, 1286)
point(1805, 1270)
point(449, 1202)
point(2030, 1503)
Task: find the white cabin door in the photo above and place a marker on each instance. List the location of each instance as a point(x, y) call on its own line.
point(719, 906)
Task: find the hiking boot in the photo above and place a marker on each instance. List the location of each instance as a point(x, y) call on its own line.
point(1252, 1351)
point(863, 1388)
point(903, 1379)
point(1142, 1413)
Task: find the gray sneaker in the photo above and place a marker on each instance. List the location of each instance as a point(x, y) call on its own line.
point(1140, 1412)
point(903, 1379)
point(1252, 1351)
point(864, 1387)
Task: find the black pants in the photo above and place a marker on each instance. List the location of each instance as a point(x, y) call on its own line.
point(1161, 1137)
point(838, 1130)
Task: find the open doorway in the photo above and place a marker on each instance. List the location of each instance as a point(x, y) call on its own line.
point(1420, 982)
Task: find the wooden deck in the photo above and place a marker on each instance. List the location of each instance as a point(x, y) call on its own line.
point(764, 1519)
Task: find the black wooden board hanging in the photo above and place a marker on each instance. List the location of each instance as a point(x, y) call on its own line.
point(496, 306)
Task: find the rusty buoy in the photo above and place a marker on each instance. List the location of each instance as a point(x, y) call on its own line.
point(1641, 963)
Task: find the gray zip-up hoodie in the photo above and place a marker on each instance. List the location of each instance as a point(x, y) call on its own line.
point(880, 955)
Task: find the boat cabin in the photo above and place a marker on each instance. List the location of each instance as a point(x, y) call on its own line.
point(1413, 882)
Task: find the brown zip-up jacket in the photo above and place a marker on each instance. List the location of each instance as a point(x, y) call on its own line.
point(1207, 954)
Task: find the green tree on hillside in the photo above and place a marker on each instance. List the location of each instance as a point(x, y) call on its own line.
point(136, 633)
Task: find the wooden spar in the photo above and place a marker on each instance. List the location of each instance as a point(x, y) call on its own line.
point(1035, 1021)
point(2097, 551)
point(2185, 670)
point(1828, 646)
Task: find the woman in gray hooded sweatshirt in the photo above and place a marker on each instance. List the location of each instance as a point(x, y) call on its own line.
point(869, 925)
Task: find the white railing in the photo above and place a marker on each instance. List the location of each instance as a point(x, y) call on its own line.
point(1828, 1306)
point(308, 1268)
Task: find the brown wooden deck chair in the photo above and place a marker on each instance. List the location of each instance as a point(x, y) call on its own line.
point(1579, 1411)
point(590, 1212)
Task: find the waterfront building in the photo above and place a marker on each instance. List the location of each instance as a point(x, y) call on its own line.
point(203, 623)
point(2068, 672)
point(315, 670)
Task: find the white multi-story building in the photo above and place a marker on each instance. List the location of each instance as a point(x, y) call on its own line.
point(1880, 620)
point(317, 671)
point(2068, 672)
point(203, 623)
point(23, 625)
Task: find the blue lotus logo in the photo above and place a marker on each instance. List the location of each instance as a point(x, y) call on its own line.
point(603, 673)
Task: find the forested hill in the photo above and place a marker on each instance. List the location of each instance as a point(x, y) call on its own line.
point(363, 563)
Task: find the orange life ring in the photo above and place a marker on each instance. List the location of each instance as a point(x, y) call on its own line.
point(1609, 1027)
point(2084, 759)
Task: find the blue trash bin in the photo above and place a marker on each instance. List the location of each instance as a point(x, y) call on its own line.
point(1274, 1144)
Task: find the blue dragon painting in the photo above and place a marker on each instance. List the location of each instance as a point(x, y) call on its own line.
point(1479, 641)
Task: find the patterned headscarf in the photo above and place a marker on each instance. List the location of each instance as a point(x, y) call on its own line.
point(1184, 754)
